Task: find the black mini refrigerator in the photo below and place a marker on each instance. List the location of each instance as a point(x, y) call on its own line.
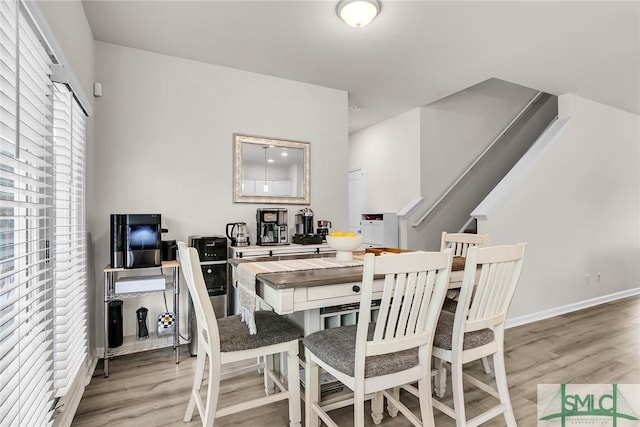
point(213, 261)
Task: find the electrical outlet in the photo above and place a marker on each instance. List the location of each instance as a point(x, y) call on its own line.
point(599, 276)
point(586, 279)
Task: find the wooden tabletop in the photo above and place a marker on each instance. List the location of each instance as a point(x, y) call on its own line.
point(307, 278)
point(316, 277)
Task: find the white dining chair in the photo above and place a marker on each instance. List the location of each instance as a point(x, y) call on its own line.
point(371, 358)
point(460, 244)
point(227, 340)
point(476, 330)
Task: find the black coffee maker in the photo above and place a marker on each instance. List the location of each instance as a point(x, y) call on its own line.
point(272, 226)
point(304, 222)
point(304, 228)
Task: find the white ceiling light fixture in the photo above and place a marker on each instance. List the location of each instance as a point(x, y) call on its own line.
point(358, 13)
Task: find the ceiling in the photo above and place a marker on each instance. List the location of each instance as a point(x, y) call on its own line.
point(414, 53)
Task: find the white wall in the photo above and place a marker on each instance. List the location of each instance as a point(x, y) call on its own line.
point(578, 209)
point(388, 154)
point(164, 142)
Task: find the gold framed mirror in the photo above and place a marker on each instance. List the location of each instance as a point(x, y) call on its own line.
point(270, 170)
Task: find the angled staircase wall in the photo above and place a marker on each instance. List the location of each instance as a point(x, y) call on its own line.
point(452, 211)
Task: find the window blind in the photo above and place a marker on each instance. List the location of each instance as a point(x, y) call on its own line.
point(26, 205)
point(70, 272)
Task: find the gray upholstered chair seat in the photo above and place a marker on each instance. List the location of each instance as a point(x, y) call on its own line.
point(444, 332)
point(272, 329)
point(337, 346)
point(449, 305)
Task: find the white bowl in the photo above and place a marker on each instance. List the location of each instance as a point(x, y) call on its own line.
point(344, 246)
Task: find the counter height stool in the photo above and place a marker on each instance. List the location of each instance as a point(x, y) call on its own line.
point(476, 330)
point(373, 358)
point(227, 340)
point(460, 244)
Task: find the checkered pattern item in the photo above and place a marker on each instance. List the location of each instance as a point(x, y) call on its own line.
point(166, 324)
point(166, 320)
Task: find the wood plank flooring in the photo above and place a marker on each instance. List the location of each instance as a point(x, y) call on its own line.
point(596, 345)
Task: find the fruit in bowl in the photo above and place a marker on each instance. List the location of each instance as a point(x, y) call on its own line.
point(344, 244)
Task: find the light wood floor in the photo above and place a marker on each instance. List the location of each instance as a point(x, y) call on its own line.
point(595, 345)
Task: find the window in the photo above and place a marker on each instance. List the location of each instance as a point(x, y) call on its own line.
point(69, 248)
point(43, 337)
point(26, 283)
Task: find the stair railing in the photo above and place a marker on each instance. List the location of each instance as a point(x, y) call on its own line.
point(477, 160)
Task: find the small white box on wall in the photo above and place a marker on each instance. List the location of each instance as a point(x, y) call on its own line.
point(97, 89)
point(129, 285)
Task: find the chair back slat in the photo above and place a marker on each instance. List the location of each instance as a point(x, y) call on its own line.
point(396, 304)
point(498, 268)
point(461, 242)
point(385, 306)
point(418, 304)
point(460, 249)
point(415, 284)
point(423, 310)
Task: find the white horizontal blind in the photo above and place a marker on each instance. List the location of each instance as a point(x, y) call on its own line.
point(26, 277)
point(70, 272)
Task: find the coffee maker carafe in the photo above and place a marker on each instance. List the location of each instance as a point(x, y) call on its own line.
point(238, 233)
point(272, 226)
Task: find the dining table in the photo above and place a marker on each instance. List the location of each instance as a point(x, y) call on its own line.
point(316, 298)
point(305, 295)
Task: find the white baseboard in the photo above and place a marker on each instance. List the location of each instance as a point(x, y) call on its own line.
point(557, 311)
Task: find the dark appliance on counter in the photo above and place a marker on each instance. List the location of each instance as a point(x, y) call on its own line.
point(238, 233)
point(212, 251)
point(323, 229)
point(304, 229)
point(272, 226)
point(304, 222)
point(136, 240)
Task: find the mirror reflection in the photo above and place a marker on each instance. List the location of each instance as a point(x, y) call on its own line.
point(269, 170)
